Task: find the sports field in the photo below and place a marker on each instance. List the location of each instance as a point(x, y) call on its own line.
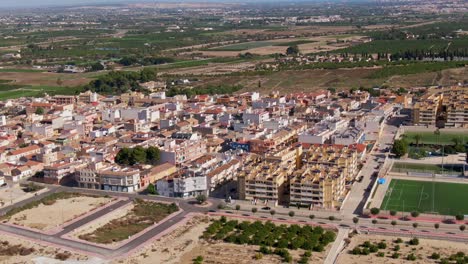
point(426, 197)
point(431, 138)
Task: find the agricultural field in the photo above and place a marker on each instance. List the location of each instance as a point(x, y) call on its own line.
point(54, 210)
point(430, 138)
point(426, 197)
point(244, 46)
point(365, 249)
point(271, 239)
point(142, 215)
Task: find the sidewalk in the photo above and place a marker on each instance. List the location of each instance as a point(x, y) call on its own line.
point(337, 246)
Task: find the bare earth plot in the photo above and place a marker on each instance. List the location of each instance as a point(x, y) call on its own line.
point(18, 250)
point(54, 213)
point(422, 251)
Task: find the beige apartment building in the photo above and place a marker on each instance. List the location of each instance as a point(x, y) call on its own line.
point(262, 181)
point(425, 111)
point(455, 103)
point(443, 108)
point(342, 157)
point(318, 186)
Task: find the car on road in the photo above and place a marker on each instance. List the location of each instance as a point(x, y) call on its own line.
point(266, 208)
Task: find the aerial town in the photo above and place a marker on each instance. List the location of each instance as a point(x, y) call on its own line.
point(190, 154)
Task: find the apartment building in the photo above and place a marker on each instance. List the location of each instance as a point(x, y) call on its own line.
point(336, 156)
point(425, 111)
point(180, 184)
point(318, 186)
point(178, 151)
point(263, 181)
point(120, 179)
point(56, 173)
point(455, 104)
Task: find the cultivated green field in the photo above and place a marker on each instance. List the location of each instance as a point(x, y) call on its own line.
point(36, 91)
point(426, 197)
point(431, 138)
point(245, 46)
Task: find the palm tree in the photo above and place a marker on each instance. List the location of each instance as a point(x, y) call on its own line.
point(393, 223)
point(417, 139)
point(415, 225)
point(374, 222)
point(436, 226)
point(272, 212)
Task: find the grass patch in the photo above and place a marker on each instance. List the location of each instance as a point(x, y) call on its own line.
point(143, 215)
point(418, 167)
point(426, 197)
point(429, 138)
point(48, 200)
point(35, 91)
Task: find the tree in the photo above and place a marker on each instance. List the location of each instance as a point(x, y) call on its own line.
point(254, 210)
point(393, 223)
point(59, 81)
point(331, 218)
point(311, 216)
point(400, 148)
point(355, 221)
point(374, 221)
point(138, 155)
point(417, 139)
point(462, 228)
point(415, 225)
point(123, 157)
point(96, 67)
point(415, 214)
point(272, 212)
point(151, 189)
point(152, 155)
point(393, 213)
point(436, 226)
point(291, 213)
point(238, 207)
point(148, 74)
point(460, 217)
point(292, 50)
point(201, 198)
point(39, 111)
point(375, 211)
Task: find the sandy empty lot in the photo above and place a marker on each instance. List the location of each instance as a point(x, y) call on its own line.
point(45, 217)
point(171, 247)
point(39, 254)
point(425, 248)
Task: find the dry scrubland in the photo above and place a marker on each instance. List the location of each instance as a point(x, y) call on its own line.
point(422, 251)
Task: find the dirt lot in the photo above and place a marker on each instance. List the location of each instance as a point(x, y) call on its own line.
point(422, 251)
point(170, 248)
point(45, 217)
point(17, 250)
point(13, 194)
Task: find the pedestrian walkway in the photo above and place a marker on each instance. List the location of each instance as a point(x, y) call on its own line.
point(337, 246)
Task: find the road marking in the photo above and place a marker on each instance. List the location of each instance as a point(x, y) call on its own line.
point(420, 197)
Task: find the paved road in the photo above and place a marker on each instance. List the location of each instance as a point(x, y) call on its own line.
point(337, 246)
point(360, 190)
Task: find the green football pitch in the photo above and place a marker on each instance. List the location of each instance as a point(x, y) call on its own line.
point(426, 197)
